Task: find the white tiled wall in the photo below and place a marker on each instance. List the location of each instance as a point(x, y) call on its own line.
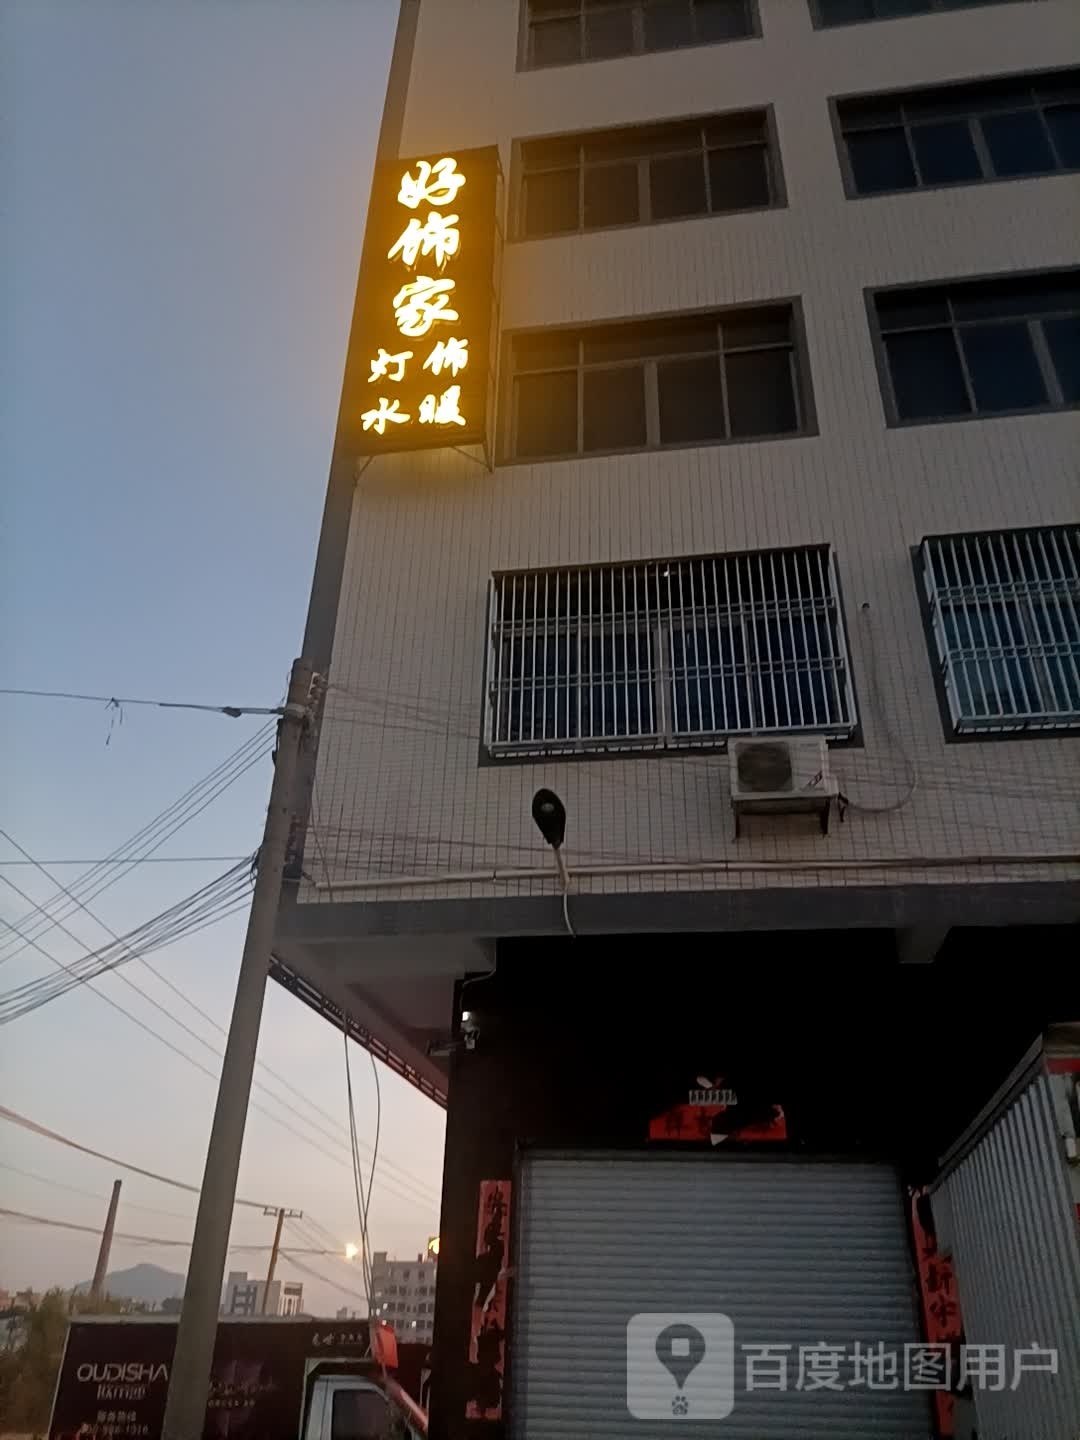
point(400, 791)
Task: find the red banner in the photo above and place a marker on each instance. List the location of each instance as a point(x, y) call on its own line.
point(487, 1330)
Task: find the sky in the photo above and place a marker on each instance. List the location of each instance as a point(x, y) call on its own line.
point(189, 181)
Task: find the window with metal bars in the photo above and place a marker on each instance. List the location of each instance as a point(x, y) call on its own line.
point(851, 12)
point(981, 347)
point(962, 134)
point(565, 32)
point(643, 384)
point(643, 174)
point(1004, 613)
point(667, 653)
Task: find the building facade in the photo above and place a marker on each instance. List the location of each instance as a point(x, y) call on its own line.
point(244, 1296)
point(758, 547)
point(403, 1293)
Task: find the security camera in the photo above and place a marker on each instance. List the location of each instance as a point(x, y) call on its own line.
point(550, 815)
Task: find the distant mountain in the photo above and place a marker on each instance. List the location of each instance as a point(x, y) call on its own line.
point(148, 1283)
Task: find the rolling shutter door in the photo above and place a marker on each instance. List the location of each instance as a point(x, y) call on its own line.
point(795, 1252)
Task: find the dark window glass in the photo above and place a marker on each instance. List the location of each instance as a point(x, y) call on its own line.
point(1025, 295)
point(545, 350)
point(888, 9)
point(546, 414)
point(556, 42)
point(1063, 339)
point(609, 33)
point(761, 395)
point(722, 20)
point(926, 376)
point(611, 195)
point(748, 328)
point(880, 160)
point(614, 416)
point(1018, 143)
point(917, 308)
point(668, 23)
point(739, 178)
point(691, 400)
point(677, 186)
point(360, 1415)
point(946, 153)
point(844, 12)
point(1004, 372)
point(551, 202)
point(1064, 122)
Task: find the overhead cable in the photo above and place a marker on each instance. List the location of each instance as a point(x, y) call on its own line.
point(156, 832)
point(115, 701)
point(25, 1123)
point(49, 1222)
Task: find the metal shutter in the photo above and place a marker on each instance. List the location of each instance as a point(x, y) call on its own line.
point(1006, 1213)
point(794, 1252)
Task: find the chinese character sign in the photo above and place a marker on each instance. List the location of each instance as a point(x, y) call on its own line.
point(420, 360)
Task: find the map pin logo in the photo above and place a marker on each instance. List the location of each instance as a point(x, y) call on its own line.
point(680, 1349)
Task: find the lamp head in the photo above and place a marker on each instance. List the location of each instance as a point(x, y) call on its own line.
point(550, 815)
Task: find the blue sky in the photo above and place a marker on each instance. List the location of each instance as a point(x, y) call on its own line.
point(189, 184)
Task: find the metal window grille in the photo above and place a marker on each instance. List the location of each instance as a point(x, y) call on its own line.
point(1005, 617)
point(667, 653)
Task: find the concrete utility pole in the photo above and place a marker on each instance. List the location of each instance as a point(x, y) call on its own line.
point(189, 1377)
point(97, 1285)
point(282, 1216)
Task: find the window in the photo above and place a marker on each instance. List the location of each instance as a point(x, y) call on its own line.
point(361, 1415)
point(1004, 612)
point(666, 653)
point(961, 134)
point(649, 173)
point(645, 384)
point(565, 32)
point(982, 347)
point(850, 12)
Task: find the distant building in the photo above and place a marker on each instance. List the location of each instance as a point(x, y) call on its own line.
point(346, 1314)
point(245, 1297)
point(11, 1328)
point(403, 1293)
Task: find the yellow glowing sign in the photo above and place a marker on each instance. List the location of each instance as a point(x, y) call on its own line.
point(438, 237)
point(420, 303)
point(387, 410)
point(436, 184)
point(380, 366)
point(444, 410)
point(452, 355)
point(429, 300)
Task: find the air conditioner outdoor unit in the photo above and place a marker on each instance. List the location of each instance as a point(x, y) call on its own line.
point(781, 777)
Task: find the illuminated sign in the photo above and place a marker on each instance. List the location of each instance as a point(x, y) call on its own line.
point(422, 348)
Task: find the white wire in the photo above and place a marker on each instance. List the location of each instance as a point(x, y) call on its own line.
point(566, 913)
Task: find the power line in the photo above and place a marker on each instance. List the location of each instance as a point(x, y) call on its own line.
point(115, 701)
point(289, 1255)
point(411, 1185)
point(25, 1123)
point(156, 832)
point(148, 860)
point(50, 1222)
point(90, 1194)
point(276, 1119)
point(149, 1029)
point(204, 906)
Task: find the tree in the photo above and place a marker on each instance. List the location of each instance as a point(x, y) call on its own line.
point(28, 1371)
